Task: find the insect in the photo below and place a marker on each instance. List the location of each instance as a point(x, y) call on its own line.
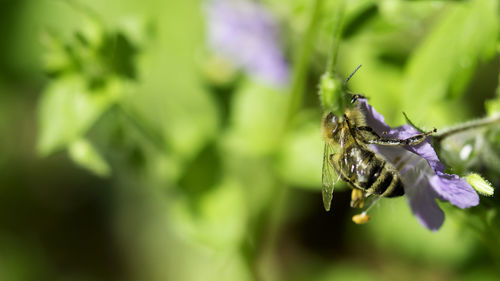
point(347, 156)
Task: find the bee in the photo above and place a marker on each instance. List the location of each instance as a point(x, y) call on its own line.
point(348, 157)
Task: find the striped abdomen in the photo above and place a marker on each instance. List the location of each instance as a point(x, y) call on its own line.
point(365, 170)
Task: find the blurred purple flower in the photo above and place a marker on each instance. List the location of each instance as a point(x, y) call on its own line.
point(421, 171)
point(245, 33)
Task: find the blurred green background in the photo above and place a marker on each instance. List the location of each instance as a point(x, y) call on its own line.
point(129, 150)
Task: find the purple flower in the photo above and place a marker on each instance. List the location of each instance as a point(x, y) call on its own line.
point(245, 33)
point(421, 171)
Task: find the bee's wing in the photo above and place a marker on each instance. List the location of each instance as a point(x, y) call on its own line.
point(329, 177)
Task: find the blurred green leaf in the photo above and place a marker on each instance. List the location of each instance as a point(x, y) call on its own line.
point(443, 64)
point(379, 81)
point(22, 259)
point(301, 155)
point(85, 154)
point(257, 121)
point(222, 186)
point(483, 273)
point(196, 180)
point(219, 218)
point(139, 30)
point(67, 109)
point(56, 58)
point(359, 18)
point(394, 227)
point(346, 271)
point(90, 70)
point(195, 262)
point(171, 96)
point(91, 51)
point(493, 106)
point(256, 175)
point(118, 55)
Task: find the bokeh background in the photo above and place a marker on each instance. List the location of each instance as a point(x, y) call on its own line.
point(135, 146)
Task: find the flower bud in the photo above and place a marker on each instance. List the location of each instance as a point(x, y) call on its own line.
point(481, 185)
point(332, 94)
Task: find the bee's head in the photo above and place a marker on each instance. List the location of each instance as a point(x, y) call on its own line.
point(331, 125)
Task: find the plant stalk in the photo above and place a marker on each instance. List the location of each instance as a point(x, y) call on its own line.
point(303, 59)
point(470, 125)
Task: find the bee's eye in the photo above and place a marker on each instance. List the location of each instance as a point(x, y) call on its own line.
point(330, 118)
point(334, 127)
point(332, 122)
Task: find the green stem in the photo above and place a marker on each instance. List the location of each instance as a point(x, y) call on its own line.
point(474, 124)
point(278, 206)
point(337, 32)
point(303, 58)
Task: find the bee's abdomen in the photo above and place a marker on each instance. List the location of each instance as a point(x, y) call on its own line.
point(369, 172)
point(388, 184)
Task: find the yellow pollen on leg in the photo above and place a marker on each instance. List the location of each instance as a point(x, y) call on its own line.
point(361, 218)
point(357, 198)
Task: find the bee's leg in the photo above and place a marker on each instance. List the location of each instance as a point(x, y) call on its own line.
point(365, 130)
point(363, 217)
point(370, 137)
point(357, 198)
point(351, 128)
point(419, 138)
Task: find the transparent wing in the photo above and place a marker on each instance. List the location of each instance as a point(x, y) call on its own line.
point(329, 177)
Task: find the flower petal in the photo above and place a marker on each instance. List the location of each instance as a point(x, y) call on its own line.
point(245, 33)
point(424, 149)
point(377, 122)
point(415, 172)
point(421, 198)
point(454, 189)
point(421, 171)
point(373, 118)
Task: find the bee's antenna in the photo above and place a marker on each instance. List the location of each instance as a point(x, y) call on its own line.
point(348, 78)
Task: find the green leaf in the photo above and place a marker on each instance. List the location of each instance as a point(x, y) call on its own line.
point(91, 51)
point(84, 154)
point(204, 171)
point(56, 57)
point(67, 109)
point(347, 271)
point(301, 156)
point(257, 118)
point(493, 106)
point(395, 227)
point(219, 218)
point(446, 60)
point(91, 31)
point(117, 54)
point(172, 99)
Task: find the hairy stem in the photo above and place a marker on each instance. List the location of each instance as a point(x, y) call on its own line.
point(277, 208)
point(337, 32)
point(302, 61)
point(470, 125)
